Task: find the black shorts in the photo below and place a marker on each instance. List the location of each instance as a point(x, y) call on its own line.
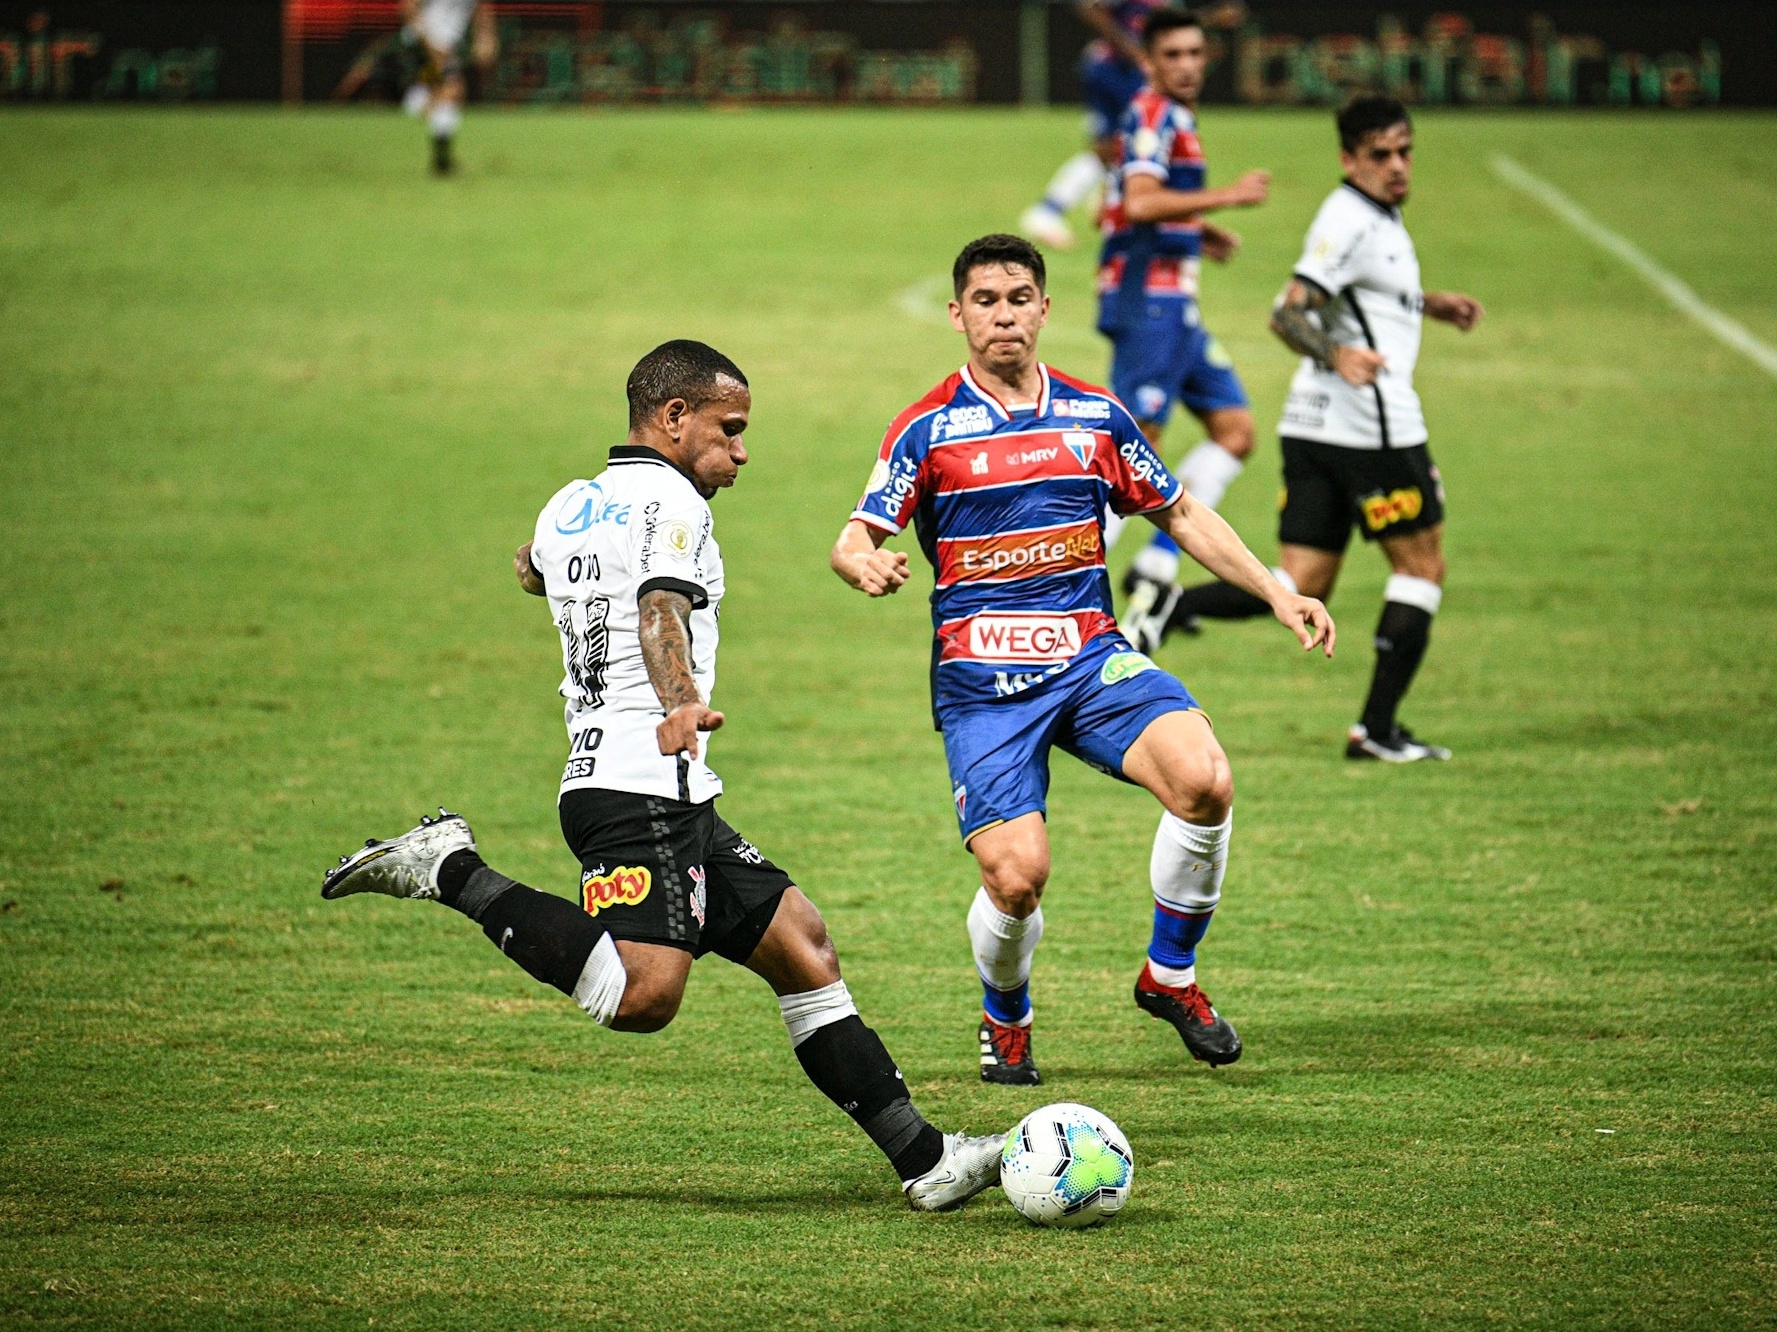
point(1328, 488)
point(660, 871)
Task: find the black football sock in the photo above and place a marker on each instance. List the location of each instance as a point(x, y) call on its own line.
point(848, 1062)
point(1218, 601)
point(1401, 638)
point(549, 936)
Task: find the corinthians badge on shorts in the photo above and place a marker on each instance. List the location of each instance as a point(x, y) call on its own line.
point(698, 898)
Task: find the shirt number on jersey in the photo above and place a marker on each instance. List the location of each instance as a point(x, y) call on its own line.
point(582, 626)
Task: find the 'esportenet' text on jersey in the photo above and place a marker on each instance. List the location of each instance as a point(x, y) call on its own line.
point(1358, 252)
point(1009, 508)
point(1157, 137)
point(601, 545)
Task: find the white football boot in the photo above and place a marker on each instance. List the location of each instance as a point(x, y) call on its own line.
point(404, 867)
point(967, 1166)
point(1047, 227)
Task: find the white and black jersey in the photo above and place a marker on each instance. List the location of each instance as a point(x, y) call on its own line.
point(1359, 253)
point(601, 545)
point(442, 23)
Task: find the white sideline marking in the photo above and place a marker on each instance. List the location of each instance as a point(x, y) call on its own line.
point(1677, 293)
point(926, 300)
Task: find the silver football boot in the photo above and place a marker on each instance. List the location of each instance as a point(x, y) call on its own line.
point(407, 866)
point(968, 1166)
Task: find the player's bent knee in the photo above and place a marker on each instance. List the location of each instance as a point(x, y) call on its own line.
point(647, 1008)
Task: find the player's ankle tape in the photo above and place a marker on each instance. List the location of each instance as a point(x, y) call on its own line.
point(895, 1127)
point(479, 893)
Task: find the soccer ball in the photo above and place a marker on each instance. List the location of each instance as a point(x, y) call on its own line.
point(1067, 1165)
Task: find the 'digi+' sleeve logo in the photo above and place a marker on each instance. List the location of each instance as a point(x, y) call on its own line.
point(623, 886)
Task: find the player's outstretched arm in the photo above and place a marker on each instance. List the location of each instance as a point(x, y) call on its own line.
point(1452, 307)
point(528, 577)
point(1097, 15)
point(1205, 536)
point(665, 632)
point(1145, 199)
point(1296, 319)
point(858, 558)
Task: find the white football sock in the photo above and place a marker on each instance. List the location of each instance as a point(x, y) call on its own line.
point(600, 987)
point(1173, 977)
point(415, 100)
point(1003, 944)
point(1156, 562)
point(1282, 575)
point(806, 1013)
point(1073, 181)
point(446, 118)
point(1411, 591)
point(1189, 863)
point(1207, 472)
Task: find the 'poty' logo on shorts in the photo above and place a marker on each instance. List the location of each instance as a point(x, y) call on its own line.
point(623, 886)
point(1024, 637)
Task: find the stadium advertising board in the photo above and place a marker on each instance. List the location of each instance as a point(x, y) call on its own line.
point(1588, 54)
point(908, 52)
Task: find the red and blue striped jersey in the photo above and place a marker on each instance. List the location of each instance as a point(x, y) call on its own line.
point(1009, 508)
point(1157, 137)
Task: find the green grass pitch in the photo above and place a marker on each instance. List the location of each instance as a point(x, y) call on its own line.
point(275, 408)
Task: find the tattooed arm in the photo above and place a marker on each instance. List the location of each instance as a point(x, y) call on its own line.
point(528, 577)
point(666, 652)
point(1298, 320)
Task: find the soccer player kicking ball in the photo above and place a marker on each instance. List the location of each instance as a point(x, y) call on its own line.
point(630, 565)
point(1155, 241)
point(1354, 437)
point(1006, 470)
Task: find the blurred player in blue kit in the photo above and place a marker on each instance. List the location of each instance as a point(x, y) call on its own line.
point(1155, 239)
point(1006, 470)
point(1113, 68)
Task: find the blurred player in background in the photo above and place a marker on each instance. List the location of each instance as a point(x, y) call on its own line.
point(634, 578)
point(1354, 436)
point(1114, 68)
point(1006, 470)
point(1155, 240)
point(440, 27)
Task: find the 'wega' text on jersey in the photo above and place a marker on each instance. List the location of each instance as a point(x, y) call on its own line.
point(640, 525)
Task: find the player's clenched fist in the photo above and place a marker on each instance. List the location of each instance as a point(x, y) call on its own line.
point(882, 572)
point(678, 733)
point(1357, 366)
point(1250, 189)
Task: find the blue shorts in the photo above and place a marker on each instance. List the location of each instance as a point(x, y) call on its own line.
point(998, 752)
point(1111, 85)
point(1170, 357)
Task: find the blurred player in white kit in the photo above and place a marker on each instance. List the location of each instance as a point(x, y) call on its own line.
point(440, 27)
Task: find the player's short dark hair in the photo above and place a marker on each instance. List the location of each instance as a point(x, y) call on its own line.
point(998, 248)
point(1163, 21)
point(1367, 114)
point(677, 369)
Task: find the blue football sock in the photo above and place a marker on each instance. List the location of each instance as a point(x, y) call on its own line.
point(1010, 1007)
point(1176, 936)
point(1161, 541)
